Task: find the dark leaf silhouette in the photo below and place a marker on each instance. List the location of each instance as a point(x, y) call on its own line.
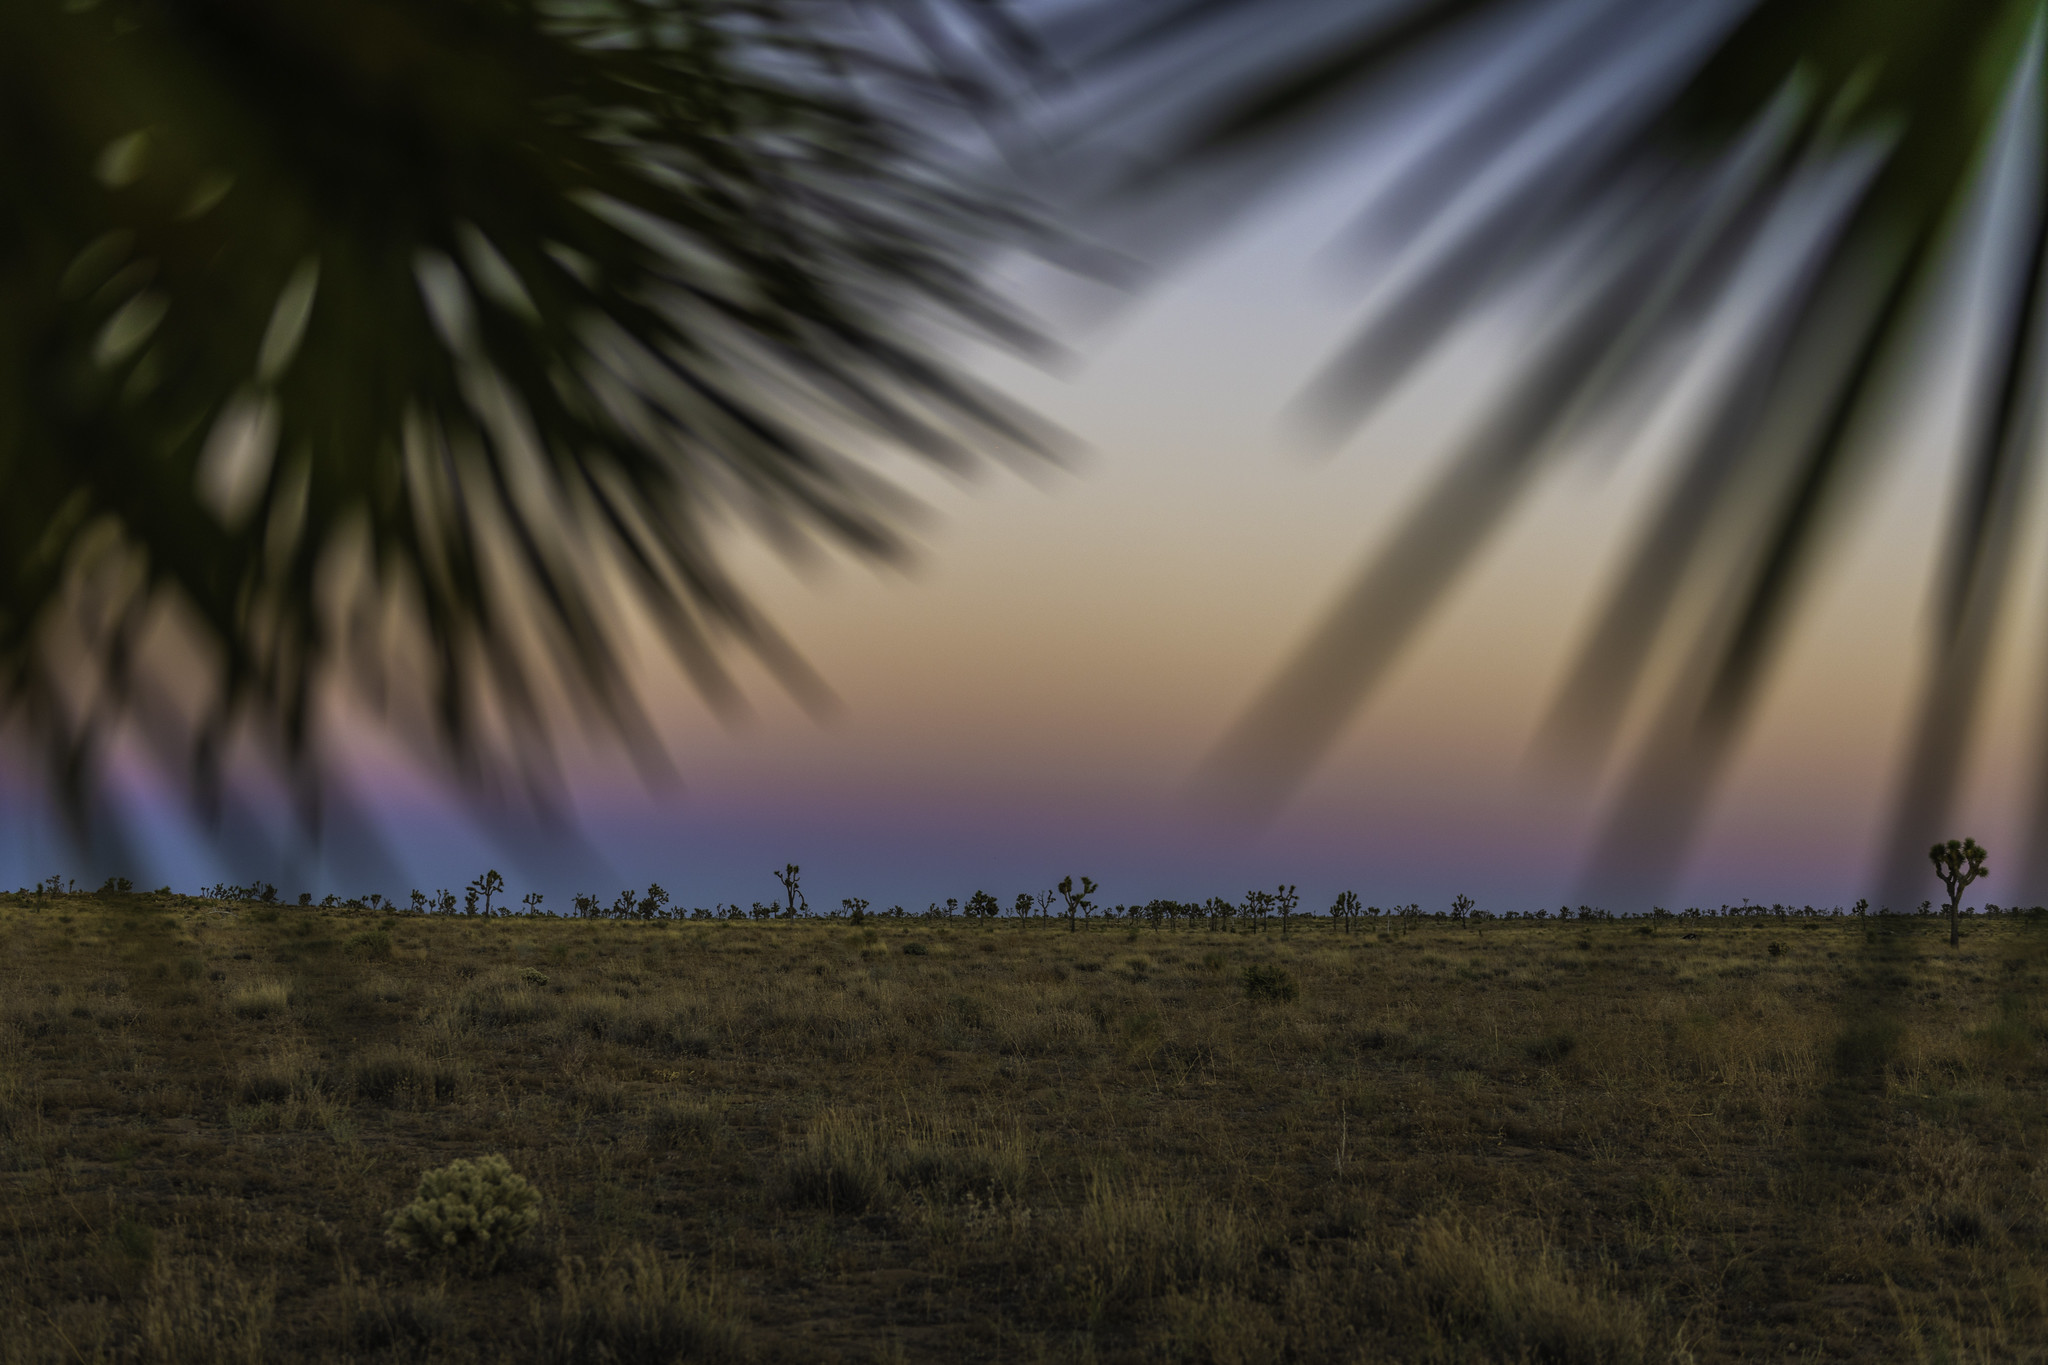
point(1642, 166)
point(422, 347)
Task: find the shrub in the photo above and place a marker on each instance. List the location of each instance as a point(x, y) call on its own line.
point(1500, 1301)
point(403, 1325)
point(388, 1072)
point(915, 949)
point(1552, 1047)
point(839, 1168)
point(1867, 1047)
point(533, 976)
point(680, 1125)
point(270, 1082)
point(259, 999)
point(497, 1005)
point(1128, 1242)
point(1264, 981)
point(643, 1307)
point(136, 1241)
point(374, 944)
point(959, 1166)
point(204, 1310)
point(471, 1211)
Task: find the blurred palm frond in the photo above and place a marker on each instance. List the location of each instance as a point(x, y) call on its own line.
point(1648, 167)
point(422, 347)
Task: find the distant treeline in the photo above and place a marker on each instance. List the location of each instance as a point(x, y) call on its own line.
point(487, 897)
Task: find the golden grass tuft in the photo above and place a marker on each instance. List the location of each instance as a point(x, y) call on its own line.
point(1509, 1299)
point(259, 999)
point(638, 1306)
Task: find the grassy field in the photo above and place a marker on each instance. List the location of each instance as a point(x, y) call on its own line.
point(1756, 1140)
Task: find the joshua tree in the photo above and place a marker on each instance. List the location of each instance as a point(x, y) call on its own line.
point(984, 907)
point(1345, 909)
point(1078, 902)
point(1461, 908)
point(1022, 909)
point(1958, 863)
point(1285, 898)
point(531, 900)
point(652, 904)
point(856, 909)
point(791, 878)
point(486, 886)
point(1220, 913)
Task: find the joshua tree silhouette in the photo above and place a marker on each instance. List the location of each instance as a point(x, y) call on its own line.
point(1957, 863)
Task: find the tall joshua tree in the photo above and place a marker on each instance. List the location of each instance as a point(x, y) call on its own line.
point(1079, 900)
point(1285, 899)
point(487, 886)
point(1957, 863)
point(791, 878)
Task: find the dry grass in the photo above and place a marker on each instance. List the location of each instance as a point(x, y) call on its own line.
point(259, 999)
point(1543, 1143)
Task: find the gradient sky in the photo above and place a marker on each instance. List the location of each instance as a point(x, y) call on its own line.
point(1031, 697)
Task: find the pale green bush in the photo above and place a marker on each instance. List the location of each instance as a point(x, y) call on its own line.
point(466, 1210)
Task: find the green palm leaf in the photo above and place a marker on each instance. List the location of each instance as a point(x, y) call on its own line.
point(1650, 154)
point(379, 341)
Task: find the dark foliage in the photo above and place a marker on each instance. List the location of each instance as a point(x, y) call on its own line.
point(421, 346)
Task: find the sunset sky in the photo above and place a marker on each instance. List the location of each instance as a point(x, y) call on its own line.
point(1031, 697)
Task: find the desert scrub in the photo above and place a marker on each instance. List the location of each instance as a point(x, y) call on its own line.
point(259, 999)
point(1264, 981)
point(684, 1125)
point(641, 1306)
point(1129, 1242)
point(1512, 1301)
point(470, 1211)
point(374, 944)
point(1405, 1164)
point(850, 1164)
point(204, 1310)
point(840, 1167)
point(500, 1004)
point(394, 1073)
